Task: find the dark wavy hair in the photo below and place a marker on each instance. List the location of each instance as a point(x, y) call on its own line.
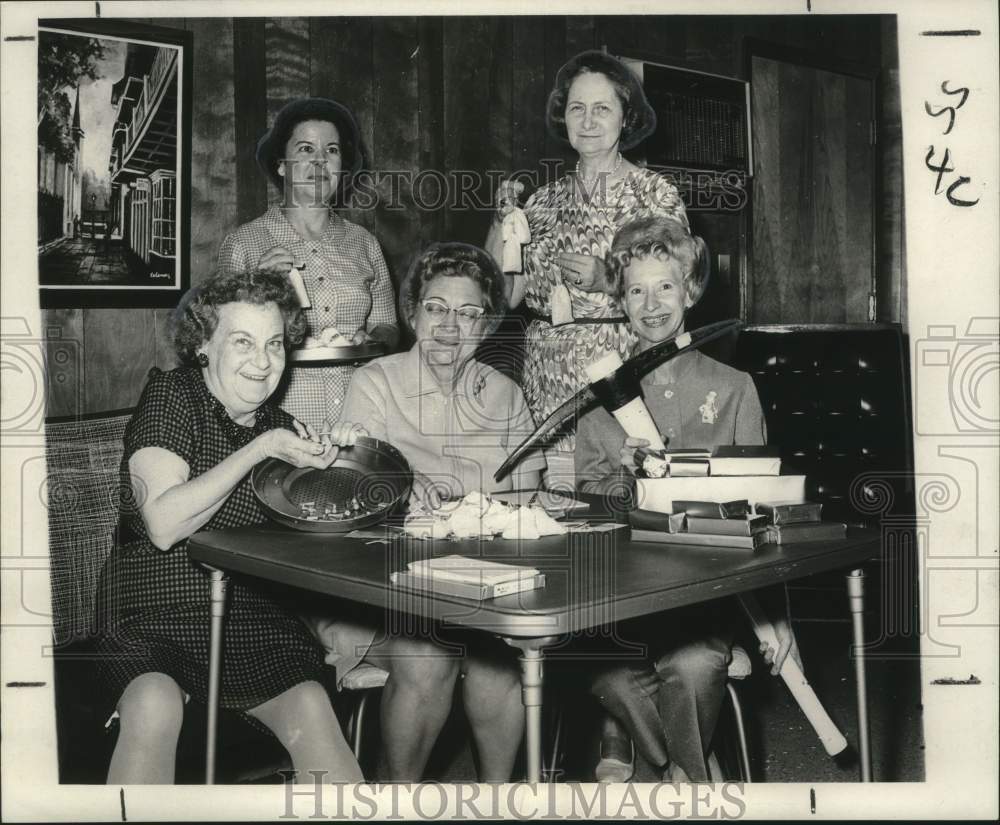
point(197, 315)
point(455, 260)
point(666, 239)
point(271, 147)
point(639, 120)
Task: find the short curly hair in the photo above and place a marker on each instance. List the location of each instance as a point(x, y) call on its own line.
point(639, 119)
point(455, 260)
point(666, 239)
point(196, 317)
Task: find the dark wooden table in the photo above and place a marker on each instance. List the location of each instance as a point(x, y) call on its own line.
point(592, 579)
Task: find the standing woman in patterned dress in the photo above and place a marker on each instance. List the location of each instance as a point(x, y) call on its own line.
point(599, 108)
point(196, 434)
point(312, 154)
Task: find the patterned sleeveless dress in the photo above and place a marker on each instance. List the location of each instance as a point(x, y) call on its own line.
point(562, 220)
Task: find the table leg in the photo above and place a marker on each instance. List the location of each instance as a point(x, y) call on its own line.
point(856, 598)
point(217, 599)
point(532, 682)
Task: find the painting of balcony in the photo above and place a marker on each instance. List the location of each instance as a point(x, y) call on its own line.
point(109, 177)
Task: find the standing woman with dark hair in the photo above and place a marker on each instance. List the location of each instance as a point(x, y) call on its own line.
point(312, 154)
point(598, 107)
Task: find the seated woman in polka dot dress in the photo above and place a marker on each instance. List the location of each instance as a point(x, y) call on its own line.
point(196, 434)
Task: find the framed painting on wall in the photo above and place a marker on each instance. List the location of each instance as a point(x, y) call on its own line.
point(114, 148)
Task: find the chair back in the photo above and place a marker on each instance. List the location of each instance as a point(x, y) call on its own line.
point(83, 458)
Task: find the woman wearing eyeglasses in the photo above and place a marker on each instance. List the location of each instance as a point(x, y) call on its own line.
point(455, 420)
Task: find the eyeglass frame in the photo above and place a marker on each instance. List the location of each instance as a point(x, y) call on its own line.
point(432, 306)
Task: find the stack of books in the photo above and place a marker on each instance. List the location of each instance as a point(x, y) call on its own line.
point(708, 524)
point(724, 474)
point(735, 524)
point(469, 578)
point(731, 496)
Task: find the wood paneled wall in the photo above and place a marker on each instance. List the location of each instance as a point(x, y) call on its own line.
point(430, 93)
point(813, 195)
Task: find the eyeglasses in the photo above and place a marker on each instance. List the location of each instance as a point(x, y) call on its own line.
point(467, 315)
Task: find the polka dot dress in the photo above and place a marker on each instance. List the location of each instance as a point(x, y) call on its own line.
point(158, 601)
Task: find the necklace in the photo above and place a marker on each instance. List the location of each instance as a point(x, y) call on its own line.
point(612, 173)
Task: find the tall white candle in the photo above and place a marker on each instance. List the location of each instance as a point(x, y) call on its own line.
point(634, 415)
point(295, 276)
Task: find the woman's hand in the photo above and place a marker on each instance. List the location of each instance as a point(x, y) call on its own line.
point(297, 450)
point(361, 337)
point(627, 454)
point(425, 492)
point(277, 259)
point(305, 447)
point(787, 646)
point(343, 434)
point(328, 336)
point(585, 272)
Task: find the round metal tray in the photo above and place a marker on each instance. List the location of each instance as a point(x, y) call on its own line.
point(336, 356)
point(372, 473)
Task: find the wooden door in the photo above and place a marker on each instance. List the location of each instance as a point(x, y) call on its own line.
point(813, 194)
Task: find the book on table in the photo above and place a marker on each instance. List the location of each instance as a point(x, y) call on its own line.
point(752, 542)
point(724, 460)
point(814, 531)
point(738, 526)
point(743, 460)
point(470, 570)
point(660, 494)
point(658, 522)
point(790, 512)
point(465, 589)
point(713, 509)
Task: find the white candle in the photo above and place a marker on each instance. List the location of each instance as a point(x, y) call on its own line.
point(634, 415)
point(295, 276)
